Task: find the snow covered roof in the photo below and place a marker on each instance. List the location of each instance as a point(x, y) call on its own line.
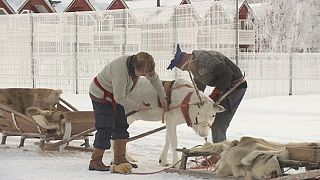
point(230, 6)
point(259, 9)
point(201, 6)
point(15, 4)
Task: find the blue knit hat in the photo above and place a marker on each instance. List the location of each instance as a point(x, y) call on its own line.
point(177, 58)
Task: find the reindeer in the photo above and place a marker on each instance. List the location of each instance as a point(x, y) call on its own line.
point(186, 106)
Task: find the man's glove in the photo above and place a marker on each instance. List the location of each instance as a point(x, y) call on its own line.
point(216, 93)
point(122, 168)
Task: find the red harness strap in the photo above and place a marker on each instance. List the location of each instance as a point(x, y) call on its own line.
point(106, 94)
point(185, 109)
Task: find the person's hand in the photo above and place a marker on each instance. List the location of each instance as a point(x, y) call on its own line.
point(215, 94)
point(122, 168)
point(144, 107)
point(164, 103)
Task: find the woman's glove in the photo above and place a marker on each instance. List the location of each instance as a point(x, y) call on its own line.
point(216, 93)
point(123, 168)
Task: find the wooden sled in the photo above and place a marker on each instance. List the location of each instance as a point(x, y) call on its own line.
point(15, 123)
point(307, 157)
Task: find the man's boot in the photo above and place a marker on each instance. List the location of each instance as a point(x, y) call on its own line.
point(96, 163)
point(120, 146)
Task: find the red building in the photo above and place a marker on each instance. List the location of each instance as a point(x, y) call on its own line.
point(5, 8)
point(36, 6)
point(246, 19)
point(80, 5)
point(117, 4)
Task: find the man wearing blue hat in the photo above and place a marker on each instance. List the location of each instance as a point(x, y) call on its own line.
point(211, 68)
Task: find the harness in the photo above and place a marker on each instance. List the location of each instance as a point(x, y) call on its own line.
point(106, 95)
point(185, 105)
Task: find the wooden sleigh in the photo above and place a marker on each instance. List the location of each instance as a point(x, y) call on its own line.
point(74, 125)
point(53, 136)
point(307, 157)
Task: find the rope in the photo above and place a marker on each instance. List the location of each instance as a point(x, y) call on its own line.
point(230, 90)
point(195, 87)
point(155, 172)
point(194, 84)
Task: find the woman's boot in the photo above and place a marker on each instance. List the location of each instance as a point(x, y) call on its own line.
point(120, 146)
point(96, 163)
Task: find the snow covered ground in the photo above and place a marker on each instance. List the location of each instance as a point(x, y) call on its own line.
point(281, 119)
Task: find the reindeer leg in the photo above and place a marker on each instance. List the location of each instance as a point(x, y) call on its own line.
point(163, 160)
point(173, 140)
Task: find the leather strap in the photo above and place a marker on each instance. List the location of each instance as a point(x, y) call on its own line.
point(185, 109)
point(106, 94)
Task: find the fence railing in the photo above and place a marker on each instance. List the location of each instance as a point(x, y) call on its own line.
point(66, 50)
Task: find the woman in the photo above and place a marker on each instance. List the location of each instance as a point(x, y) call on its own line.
point(109, 94)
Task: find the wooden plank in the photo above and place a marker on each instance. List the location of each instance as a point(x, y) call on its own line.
point(297, 164)
point(309, 154)
point(199, 174)
point(55, 146)
point(303, 175)
point(68, 104)
point(74, 148)
point(80, 116)
point(62, 108)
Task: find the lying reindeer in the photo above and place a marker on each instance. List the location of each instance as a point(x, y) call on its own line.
point(198, 114)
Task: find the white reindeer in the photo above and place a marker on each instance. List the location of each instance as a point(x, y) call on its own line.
point(200, 115)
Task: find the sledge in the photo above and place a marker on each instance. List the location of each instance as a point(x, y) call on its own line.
point(306, 157)
point(14, 121)
point(54, 136)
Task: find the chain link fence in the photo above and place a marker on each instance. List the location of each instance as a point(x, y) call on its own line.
point(66, 50)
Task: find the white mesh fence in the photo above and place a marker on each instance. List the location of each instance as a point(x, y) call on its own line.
point(66, 50)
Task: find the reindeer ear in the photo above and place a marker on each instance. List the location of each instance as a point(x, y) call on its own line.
point(218, 107)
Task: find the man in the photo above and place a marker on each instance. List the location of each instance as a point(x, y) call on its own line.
point(211, 68)
point(109, 94)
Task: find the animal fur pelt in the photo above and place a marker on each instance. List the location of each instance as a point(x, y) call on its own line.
point(50, 120)
point(51, 116)
point(20, 99)
point(251, 158)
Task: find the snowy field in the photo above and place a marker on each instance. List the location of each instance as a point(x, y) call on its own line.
point(281, 119)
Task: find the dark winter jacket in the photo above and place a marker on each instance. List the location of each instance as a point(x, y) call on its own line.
point(215, 69)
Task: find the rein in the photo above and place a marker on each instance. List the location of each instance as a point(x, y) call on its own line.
point(230, 90)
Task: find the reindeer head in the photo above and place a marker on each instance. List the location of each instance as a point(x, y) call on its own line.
point(203, 115)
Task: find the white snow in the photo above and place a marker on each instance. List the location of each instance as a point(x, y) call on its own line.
point(280, 118)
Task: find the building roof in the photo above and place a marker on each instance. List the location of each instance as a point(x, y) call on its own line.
point(17, 5)
point(98, 5)
point(75, 2)
point(4, 4)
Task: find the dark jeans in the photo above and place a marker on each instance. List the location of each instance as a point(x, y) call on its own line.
point(109, 125)
point(223, 119)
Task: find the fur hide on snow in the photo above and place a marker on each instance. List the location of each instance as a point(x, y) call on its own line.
point(20, 99)
point(251, 158)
